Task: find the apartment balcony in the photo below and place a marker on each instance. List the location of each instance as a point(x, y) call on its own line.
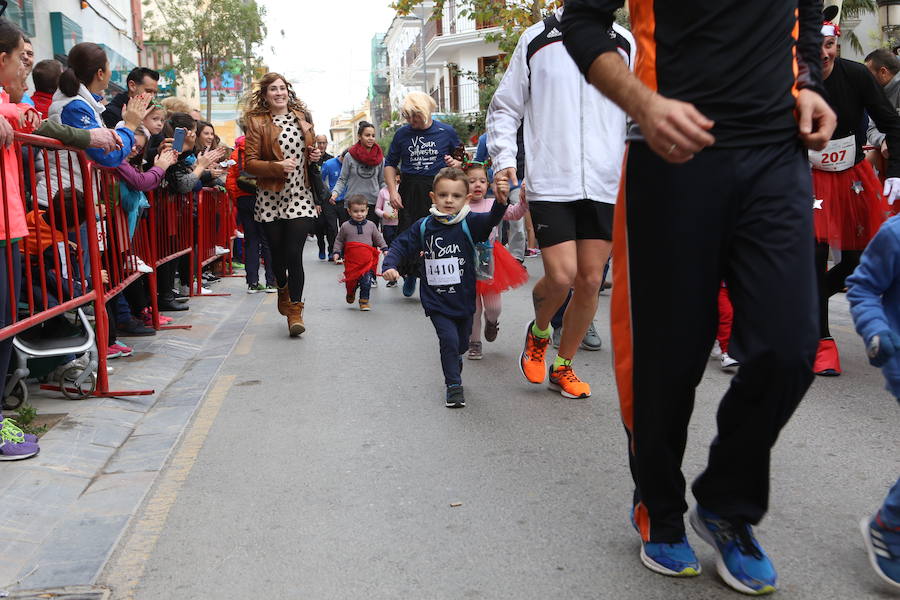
point(461, 98)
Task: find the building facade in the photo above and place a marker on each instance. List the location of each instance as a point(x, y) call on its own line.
point(442, 56)
point(54, 26)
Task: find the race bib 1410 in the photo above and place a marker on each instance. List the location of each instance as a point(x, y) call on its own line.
point(442, 271)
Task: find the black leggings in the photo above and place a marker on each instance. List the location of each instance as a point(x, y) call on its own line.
point(831, 281)
point(286, 240)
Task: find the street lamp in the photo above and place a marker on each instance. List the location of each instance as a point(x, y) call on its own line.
point(889, 17)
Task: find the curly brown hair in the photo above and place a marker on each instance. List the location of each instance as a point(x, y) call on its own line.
point(256, 104)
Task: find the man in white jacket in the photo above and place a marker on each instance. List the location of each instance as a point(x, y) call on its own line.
point(574, 146)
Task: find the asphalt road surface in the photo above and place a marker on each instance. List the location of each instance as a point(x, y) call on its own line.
point(328, 467)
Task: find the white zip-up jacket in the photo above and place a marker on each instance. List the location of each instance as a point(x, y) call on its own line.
point(574, 135)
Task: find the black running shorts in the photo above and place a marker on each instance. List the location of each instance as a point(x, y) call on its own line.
point(557, 222)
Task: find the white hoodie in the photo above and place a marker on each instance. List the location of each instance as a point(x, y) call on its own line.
point(574, 135)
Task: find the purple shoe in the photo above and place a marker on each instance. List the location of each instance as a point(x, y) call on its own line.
point(13, 444)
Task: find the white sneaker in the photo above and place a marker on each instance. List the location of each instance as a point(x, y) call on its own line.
point(239, 234)
point(220, 251)
point(728, 363)
point(205, 290)
point(139, 264)
point(716, 351)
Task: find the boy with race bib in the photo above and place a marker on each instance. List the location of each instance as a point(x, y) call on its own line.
point(848, 205)
point(446, 240)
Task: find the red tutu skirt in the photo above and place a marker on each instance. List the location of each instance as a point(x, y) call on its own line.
point(508, 273)
point(848, 207)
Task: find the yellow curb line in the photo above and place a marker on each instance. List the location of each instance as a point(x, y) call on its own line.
point(128, 569)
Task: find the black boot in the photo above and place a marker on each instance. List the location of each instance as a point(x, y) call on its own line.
point(168, 303)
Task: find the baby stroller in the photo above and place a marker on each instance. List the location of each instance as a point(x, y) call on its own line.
point(76, 382)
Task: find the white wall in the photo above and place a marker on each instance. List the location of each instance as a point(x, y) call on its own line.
point(869, 34)
point(399, 39)
point(94, 28)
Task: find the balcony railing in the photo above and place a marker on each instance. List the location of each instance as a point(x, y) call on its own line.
point(462, 98)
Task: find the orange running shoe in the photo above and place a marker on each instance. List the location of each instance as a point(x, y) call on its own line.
point(565, 381)
point(531, 362)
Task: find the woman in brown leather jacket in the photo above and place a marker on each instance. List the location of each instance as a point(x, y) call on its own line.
point(280, 142)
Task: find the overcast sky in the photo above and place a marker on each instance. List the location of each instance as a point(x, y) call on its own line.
point(324, 48)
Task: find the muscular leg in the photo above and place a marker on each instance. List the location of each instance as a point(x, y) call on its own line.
point(592, 256)
point(560, 271)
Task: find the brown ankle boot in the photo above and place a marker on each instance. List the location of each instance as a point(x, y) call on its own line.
point(295, 318)
point(284, 300)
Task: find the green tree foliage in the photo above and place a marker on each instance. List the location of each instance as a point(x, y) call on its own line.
point(511, 16)
point(213, 37)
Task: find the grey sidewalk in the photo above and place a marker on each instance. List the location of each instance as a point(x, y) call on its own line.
point(63, 512)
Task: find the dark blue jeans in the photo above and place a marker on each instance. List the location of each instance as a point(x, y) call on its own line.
point(255, 241)
point(365, 286)
point(453, 335)
point(389, 232)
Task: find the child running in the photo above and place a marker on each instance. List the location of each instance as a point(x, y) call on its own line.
point(874, 296)
point(446, 239)
point(359, 241)
point(500, 270)
point(388, 216)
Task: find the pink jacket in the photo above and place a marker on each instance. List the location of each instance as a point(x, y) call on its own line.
point(13, 203)
point(514, 212)
point(382, 202)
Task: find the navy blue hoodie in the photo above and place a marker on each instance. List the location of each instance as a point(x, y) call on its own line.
point(446, 241)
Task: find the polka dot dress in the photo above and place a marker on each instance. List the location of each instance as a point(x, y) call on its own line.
point(295, 199)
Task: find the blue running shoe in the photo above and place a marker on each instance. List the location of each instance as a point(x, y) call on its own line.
point(674, 560)
point(883, 546)
point(740, 561)
point(409, 286)
point(321, 255)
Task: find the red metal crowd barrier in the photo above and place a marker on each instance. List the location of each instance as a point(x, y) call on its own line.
point(55, 266)
point(170, 228)
point(215, 228)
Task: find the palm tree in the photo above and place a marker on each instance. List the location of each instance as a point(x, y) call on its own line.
point(851, 13)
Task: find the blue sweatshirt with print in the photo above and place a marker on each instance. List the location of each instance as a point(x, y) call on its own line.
point(456, 301)
point(422, 151)
point(78, 114)
point(874, 293)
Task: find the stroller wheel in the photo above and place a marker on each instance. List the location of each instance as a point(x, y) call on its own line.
point(71, 390)
point(17, 396)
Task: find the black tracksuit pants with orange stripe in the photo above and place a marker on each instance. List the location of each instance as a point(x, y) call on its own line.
point(743, 215)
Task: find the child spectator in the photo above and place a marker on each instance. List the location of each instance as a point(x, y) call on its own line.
point(498, 270)
point(359, 241)
point(874, 296)
point(132, 185)
point(46, 80)
point(49, 243)
point(446, 239)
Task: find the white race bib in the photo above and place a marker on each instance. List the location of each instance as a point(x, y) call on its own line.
point(838, 155)
point(442, 271)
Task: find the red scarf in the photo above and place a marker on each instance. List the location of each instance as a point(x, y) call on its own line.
point(371, 157)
